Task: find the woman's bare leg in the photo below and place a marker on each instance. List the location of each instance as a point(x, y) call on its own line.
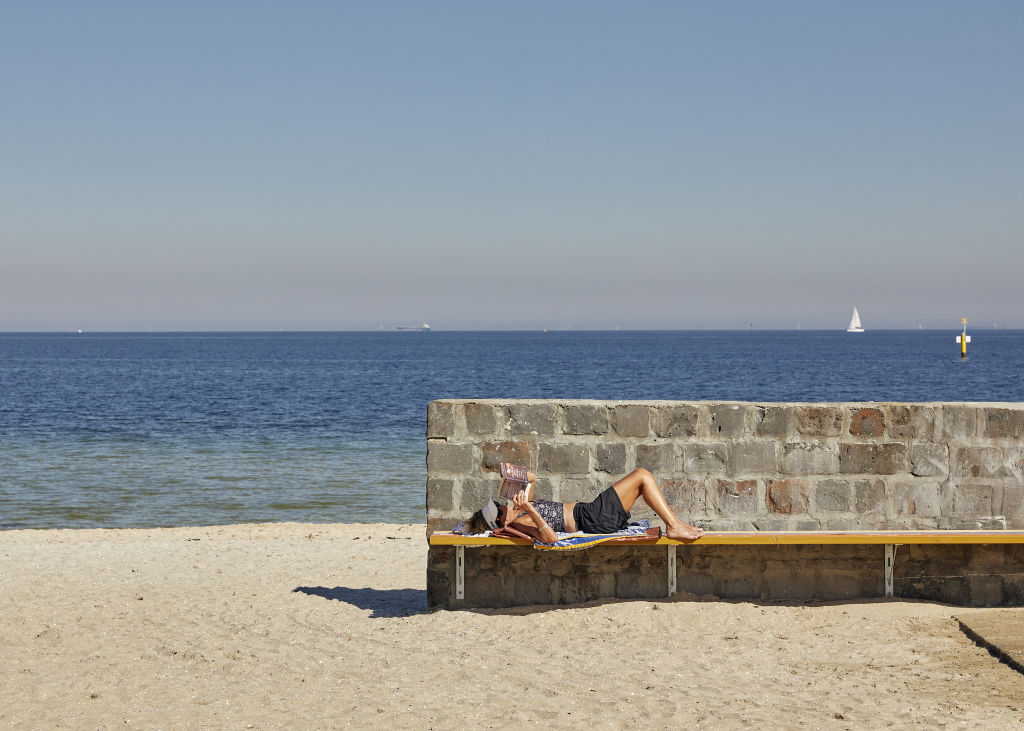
point(640, 483)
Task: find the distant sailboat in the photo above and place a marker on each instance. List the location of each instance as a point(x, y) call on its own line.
point(855, 326)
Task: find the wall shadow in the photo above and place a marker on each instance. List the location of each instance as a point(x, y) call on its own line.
point(381, 602)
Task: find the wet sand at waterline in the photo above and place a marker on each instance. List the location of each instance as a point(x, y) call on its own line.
point(306, 626)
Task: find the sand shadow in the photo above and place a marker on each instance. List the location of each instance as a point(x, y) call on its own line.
point(381, 602)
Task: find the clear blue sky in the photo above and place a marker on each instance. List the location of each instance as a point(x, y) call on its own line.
point(326, 165)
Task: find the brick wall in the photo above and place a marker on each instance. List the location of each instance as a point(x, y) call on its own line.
point(741, 465)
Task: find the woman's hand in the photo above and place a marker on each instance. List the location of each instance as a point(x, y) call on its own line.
point(520, 501)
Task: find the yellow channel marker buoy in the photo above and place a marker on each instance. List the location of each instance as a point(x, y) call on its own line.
point(963, 339)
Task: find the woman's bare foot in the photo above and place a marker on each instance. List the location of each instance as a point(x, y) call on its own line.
point(683, 532)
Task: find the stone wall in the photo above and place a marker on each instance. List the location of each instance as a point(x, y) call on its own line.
point(743, 466)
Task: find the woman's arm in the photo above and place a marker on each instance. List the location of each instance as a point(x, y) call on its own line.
point(531, 480)
point(547, 533)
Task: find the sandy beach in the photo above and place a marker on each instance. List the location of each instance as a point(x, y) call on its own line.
point(324, 626)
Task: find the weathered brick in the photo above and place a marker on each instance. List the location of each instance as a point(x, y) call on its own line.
point(657, 458)
point(705, 457)
point(819, 421)
point(867, 423)
point(586, 419)
point(753, 458)
point(788, 496)
point(444, 456)
point(773, 421)
point(1013, 507)
point(921, 499)
point(929, 460)
point(727, 420)
point(563, 458)
point(736, 496)
point(1004, 423)
point(576, 489)
point(810, 458)
point(610, 458)
point(532, 419)
point(481, 419)
point(676, 421)
point(974, 502)
point(959, 422)
point(910, 421)
point(869, 496)
point(497, 452)
point(440, 494)
point(889, 458)
point(685, 496)
point(632, 420)
point(833, 496)
point(980, 462)
point(474, 492)
point(440, 419)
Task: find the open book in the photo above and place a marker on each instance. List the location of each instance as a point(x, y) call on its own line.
point(513, 479)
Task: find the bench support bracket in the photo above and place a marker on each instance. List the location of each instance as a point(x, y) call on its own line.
point(460, 572)
point(890, 555)
point(671, 570)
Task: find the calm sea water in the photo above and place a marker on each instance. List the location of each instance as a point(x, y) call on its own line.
point(141, 430)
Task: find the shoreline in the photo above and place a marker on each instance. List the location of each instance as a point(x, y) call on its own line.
point(325, 625)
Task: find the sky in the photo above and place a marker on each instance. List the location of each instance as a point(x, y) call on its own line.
point(510, 165)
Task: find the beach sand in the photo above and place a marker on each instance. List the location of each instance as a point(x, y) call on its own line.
point(307, 626)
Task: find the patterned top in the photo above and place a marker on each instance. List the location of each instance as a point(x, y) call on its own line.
point(552, 513)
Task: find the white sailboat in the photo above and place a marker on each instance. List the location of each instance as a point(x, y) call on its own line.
point(855, 326)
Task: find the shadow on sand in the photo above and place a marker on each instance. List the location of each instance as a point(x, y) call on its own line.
point(381, 602)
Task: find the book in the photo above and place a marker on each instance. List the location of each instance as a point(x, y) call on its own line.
point(514, 478)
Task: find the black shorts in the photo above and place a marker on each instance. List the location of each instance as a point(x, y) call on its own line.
point(603, 514)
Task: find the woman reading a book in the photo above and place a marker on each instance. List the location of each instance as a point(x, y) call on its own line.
point(607, 513)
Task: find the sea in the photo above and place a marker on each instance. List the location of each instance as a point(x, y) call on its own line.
point(129, 430)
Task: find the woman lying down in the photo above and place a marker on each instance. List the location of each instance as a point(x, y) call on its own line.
point(607, 513)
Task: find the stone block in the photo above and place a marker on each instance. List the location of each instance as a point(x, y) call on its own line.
point(448, 457)
point(869, 497)
point(575, 490)
point(929, 460)
point(610, 458)
point(440, 494)
point(774, 421)
point(676, 421)
point(497, 452)
point(657, 458)
point(974, 502)
point(1013, 506)
point(705, 457)
point(959, 422)
point(788, 496)
point(867, 422)
point(922, 499)
point(758, 458)
point(685, 496)
point(810, 458)
point(1004, 423)
point(440, 420)
point(474, 492)
point(563, 459)
point(737, 497)
point(833, 496)
point(889, 458)
point(911, 421)
point(586, 419)
point(727, 420)
point(819, 421)
point(632, 420)
point(481, 419)
point(536, 419)
point(980, 462)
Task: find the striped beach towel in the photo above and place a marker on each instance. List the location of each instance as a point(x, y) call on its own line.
point(580, 541)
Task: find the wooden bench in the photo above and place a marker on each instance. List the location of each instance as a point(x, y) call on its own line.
point(889, 539)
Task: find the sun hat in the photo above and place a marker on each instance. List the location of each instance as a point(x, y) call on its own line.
point(490, 513)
